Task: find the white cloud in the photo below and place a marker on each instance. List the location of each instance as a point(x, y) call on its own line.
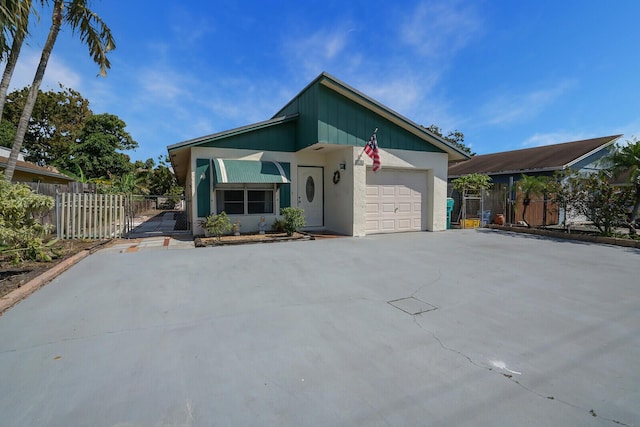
point(164, 84)
point(509, 108)
point(402, 91)
point(322, 51)
point(56, 72)
point(440, 29)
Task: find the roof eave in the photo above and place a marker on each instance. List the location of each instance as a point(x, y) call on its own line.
point(614, 138)
point(40, 172)
point(232, 132)
point(513, 172)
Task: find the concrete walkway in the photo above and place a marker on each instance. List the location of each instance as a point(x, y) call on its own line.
point(463, 327)
point(164, 223)
point(156, 231)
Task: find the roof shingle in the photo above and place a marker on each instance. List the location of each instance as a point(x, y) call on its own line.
point(537, 159)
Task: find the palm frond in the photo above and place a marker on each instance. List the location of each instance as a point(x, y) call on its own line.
point(92, 31)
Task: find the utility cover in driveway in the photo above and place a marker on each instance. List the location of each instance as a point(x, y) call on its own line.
point(412, 305)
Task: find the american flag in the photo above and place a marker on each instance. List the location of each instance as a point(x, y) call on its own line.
point(372, 151)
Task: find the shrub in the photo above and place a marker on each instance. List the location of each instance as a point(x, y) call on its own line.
point(278, 225)
point(20, 231)
point(293, 219)
point(216, 225)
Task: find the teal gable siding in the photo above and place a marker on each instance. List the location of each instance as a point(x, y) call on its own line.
point(343, 122)
point(274, 138)
point(203, 188)
point(285, 189)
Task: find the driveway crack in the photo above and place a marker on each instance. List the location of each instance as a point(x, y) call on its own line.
point(510, 378)
point(431, 282)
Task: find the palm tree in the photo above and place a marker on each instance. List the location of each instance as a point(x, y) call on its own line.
point(10, 10)
point(93, 32)
point(19, 32)
point(530, 186)
point(627, 160)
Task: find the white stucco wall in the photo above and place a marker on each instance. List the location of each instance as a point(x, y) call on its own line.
point(344, 202)
point(338, 197)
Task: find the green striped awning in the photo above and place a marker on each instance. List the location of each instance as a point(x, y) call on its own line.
point(249, 172)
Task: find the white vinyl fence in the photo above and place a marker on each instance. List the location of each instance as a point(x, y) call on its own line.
point(90, 216)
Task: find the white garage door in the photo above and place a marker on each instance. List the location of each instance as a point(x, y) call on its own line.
point(395, 201)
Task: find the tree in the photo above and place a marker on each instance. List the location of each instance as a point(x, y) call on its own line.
point(162, 180)
point(474, 182)
point(599, 201)
point(55, 123)
point(530, 186)
point(97, 151)
point(456, 138)
point(7, 133)
point(626, 159)
point(19, 28)
point(10, 10)
point(93, 32)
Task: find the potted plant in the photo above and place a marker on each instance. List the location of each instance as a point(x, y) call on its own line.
point(236, 227)
point(216, 225)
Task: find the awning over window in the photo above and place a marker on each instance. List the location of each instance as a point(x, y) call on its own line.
point(249, 172)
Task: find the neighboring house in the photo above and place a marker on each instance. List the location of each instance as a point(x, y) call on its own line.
point(30, 172)
point(506, 168)
point(310, 155)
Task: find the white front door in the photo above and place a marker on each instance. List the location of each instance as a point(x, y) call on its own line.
point(311, 194)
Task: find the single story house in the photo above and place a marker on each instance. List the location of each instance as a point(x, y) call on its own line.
point(310, 155)
point(30, 172)
point(507, 167)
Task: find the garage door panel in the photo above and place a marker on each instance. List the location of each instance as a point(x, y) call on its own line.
point(372, 208)
point(395, 200)
point(404, 208)
point(387, 191)
point(372, 191)
point(371, 226)
point(388, 207)
point(404, 191)
point(387, 224)
point(405, 224)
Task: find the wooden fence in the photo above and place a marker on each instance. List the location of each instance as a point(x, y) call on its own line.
point(90, 216)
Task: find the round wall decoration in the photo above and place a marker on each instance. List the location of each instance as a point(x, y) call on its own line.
point(336, 177)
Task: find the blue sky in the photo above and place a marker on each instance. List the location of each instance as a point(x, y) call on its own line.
point(508, 74)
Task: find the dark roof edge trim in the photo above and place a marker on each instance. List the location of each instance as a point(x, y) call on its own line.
point(514, 172)
point(232, 132)
point(60, 176)
point(613, 139)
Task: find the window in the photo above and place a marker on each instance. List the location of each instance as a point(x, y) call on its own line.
point(260, 201)
point(231, 201)
point(235, 201)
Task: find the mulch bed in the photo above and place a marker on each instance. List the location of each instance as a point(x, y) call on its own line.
point(583, 236)
point(13, 277)
point(242, 239)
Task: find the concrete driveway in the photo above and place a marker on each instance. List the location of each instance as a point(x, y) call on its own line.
point(515, 330)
